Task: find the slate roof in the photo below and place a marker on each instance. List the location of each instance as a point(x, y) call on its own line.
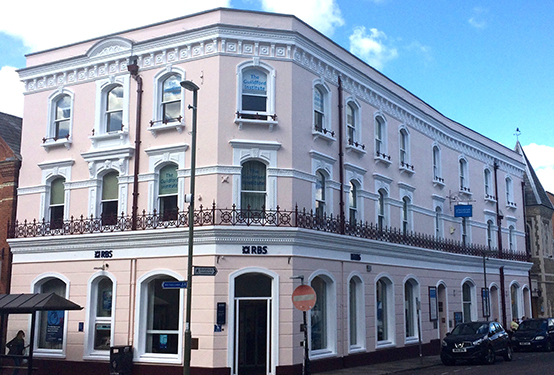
point(535, 195)
point(10, 132)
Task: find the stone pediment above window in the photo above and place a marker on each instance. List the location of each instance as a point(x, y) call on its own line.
point(110, 46)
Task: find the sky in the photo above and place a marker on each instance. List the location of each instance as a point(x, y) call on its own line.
point(486, 64)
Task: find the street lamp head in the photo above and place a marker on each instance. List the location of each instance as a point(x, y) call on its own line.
point(189, 85)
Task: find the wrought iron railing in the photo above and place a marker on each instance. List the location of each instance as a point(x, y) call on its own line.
point(234, 216)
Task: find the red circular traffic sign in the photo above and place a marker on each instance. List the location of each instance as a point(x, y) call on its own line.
point(304, 297)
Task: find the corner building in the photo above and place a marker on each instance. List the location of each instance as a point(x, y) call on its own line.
point(309, 162)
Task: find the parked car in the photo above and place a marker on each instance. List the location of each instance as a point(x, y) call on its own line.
point(534, 334)
point(479, 341)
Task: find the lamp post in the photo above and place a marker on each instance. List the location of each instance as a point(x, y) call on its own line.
point(190, 86)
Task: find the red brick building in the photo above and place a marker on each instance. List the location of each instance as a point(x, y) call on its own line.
point(10, 162)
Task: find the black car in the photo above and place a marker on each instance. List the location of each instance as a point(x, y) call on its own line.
point(479, 341)
point(534, 334)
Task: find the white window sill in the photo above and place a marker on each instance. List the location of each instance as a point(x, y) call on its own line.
point(51, 143)
point(97, 356)
point(490, 199)
point(438, 182)
point(48, 353)
point(321, 353)
point(406, 168)
point(356, 349)
point(159, 358)
point(155, 129)
point(109, 139)
point(271, 121)
point(411, 340)
point(382, 158)
point(465, 191)
point(356, 149)
point(385, 344)
point(511, 205)
point(325, 134)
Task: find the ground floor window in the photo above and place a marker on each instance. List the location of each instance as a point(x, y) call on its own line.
point(51, 323)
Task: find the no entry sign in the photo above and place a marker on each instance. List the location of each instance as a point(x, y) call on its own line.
point(304, 297)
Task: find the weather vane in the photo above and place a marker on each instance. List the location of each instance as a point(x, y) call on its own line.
point(517, 134)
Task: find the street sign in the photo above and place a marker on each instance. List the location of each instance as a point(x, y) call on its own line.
point(463, 210)
point(174, 284)
point(304, 297)
point(205, 271)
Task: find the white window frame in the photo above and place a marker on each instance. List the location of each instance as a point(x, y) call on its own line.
point(49, 138)
point(36, 287)
point(406, 222)
point(414, 285)
point(436, 162)
point(472, 302)
point(92, 319)
point(510, 202)
point(489, 234)
point(100, 202)
point(518, 300)
point(380, 137)
point(50, 172)
point(320, 202)
point(326, 132)
point(323, 163)
point(255, 192)
point(331, 312)
point(404, 150)
point(439, 223)
point(157, 110)
point(488, 185)
point(141, 321)
point(271, 119)
point(359, 313)
point(463, 173)
point(389, 310)
point(354, 143)
point(512, 238)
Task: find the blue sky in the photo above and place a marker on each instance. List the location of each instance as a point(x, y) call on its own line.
point(485, 64)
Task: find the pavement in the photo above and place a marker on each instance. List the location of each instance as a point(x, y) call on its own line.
point(393, 367)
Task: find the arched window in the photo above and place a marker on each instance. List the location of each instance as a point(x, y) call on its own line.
point(381, 210)
point(488, 184)
point(353, 203)
point(253, 185)
point(489, 234)
point(319, 109)
point(62, 117)
point(351, 125)
point(50, 324)
point(57, 200)
point(322, 315)
point(404, 147)
point(468, 301)
point(356, 316)
point(254, 94)
point(170, 101)
point(511, 238)
point(110, 198)
point(384, 298)
point(411, 291)
point(320, 194)
point(464, 231)
point(514, 298)
point(167, 192)
point(437, 173)
point(113, 109)
point(464, 183)
point(509, 192)
point(100, 326)
point(438, 222)
point(405, 215)
point(380, 136)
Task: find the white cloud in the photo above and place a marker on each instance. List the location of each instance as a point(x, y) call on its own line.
point(542, 160)
point(323, 15)
point(477, 19)
point(46, 24)
point(11, 92)
point(371, 47)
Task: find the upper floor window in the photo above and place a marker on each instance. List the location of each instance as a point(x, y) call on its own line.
point(353, 124)
point(381, 211)
point(489, 234)
point(171, 99)
point(320, 194)
point(110, 198)
point(113, 113)
point(319, 109)
point(57, 199)
point(488, 184)
point(438, 222)
point(167, 192)
point(437, 172)
point(404, 148)
point(380, 134)
point(463, 172)
point(62, 118)
point(405, 215)
point(511, 238)
point(509, 192)
point(253, 185)
point(464, 231)
point(353, 203)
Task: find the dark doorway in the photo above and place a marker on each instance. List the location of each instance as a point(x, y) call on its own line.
point(253, 337)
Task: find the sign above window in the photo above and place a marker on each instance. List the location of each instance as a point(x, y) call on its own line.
point(463, 210)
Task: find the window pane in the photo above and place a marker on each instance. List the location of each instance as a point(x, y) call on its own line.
point(104, 298)
point(110, 186)
point(50, 334)
point(62, 129)
point(318, 100)
point(382, 324)
point(57, 191)
point(171, 89)
point(254, 90)
point(353, 313)
point(171, 111)
point(168, 208)
point(253, 176)
point(168, 180)
point(318, 315)
point(63, 108)
point(253, 285)
point(163, 317)
point(115, 99)
point(254, 103)
point(114, 121)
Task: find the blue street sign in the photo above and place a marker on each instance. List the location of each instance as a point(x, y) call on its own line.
point(174, 284)
point(463, 210)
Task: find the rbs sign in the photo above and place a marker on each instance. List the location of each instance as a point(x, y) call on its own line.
point(256, 250)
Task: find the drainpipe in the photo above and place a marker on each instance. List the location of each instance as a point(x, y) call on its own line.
point(133, 69)
point(341, 161)
point(503, 296)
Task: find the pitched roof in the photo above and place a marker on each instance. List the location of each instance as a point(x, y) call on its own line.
point(10, 131)
point(535, 195)
point(29, 303)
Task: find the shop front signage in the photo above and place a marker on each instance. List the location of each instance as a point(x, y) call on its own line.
point(254, 249)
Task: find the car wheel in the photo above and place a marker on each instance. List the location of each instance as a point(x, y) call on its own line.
point(489, 358)
point(508, 353)
point(448, 361)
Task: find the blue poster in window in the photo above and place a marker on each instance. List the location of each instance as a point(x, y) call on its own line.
point(107, 300)
point(54, 326)
point(163, 341)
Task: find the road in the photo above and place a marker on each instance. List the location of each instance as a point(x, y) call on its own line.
point(522, 364)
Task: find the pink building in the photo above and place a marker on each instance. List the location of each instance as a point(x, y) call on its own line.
point(308, 163)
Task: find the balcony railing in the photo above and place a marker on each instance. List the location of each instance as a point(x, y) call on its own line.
point(258, 218)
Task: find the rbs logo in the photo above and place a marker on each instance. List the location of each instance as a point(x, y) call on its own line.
point(256, 250)
point(103, 254)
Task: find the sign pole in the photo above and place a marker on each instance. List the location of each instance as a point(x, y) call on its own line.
point(304, 299)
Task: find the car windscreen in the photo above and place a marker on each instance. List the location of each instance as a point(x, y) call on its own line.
point(532, 325)
point(471, 329)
